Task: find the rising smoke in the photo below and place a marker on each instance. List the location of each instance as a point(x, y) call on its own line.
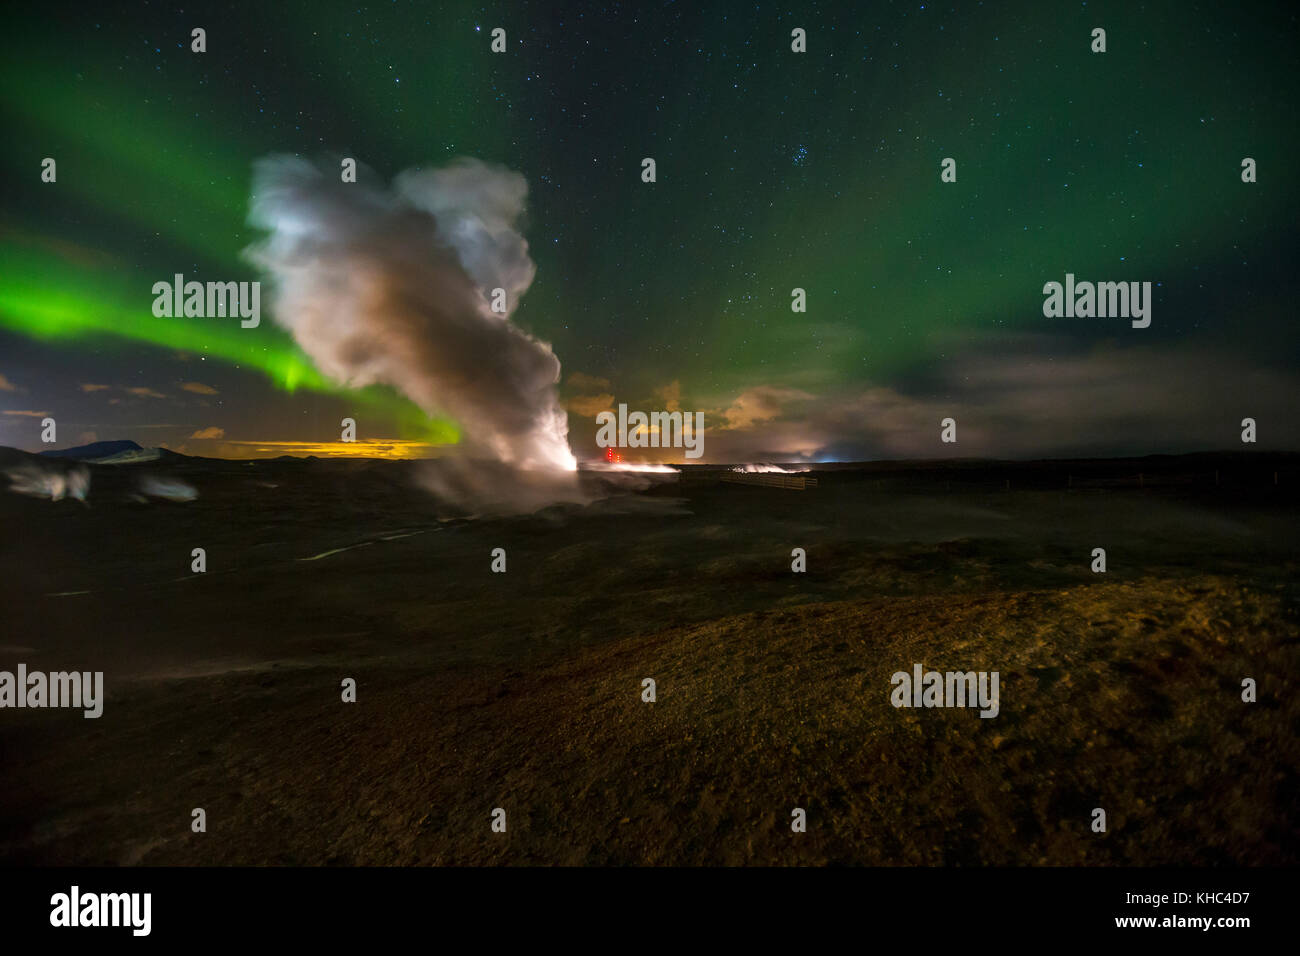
point(393, 286)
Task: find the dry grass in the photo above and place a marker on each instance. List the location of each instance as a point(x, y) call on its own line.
point(1124, 696)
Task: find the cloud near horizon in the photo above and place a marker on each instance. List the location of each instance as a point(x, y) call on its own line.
point(589, 406)
point(1132, 401)
point(583, 381)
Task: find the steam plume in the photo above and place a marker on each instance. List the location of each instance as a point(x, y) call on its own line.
point(394, 287)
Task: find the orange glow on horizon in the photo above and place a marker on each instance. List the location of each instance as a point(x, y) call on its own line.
point(389, 448)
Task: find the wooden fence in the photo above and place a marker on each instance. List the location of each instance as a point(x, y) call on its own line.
point(768, 480)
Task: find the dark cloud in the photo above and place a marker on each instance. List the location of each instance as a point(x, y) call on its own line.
point(1138, 400)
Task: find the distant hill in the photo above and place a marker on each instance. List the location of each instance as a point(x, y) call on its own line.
point(93, 451)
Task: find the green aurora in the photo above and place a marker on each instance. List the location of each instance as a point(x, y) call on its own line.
point(818, 171)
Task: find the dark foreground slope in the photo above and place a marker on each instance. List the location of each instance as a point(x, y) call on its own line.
point(522, 690)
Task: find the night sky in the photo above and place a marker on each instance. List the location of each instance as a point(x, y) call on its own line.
point(775, 170)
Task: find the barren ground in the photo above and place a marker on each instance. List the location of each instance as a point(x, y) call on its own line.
point(522, 690)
